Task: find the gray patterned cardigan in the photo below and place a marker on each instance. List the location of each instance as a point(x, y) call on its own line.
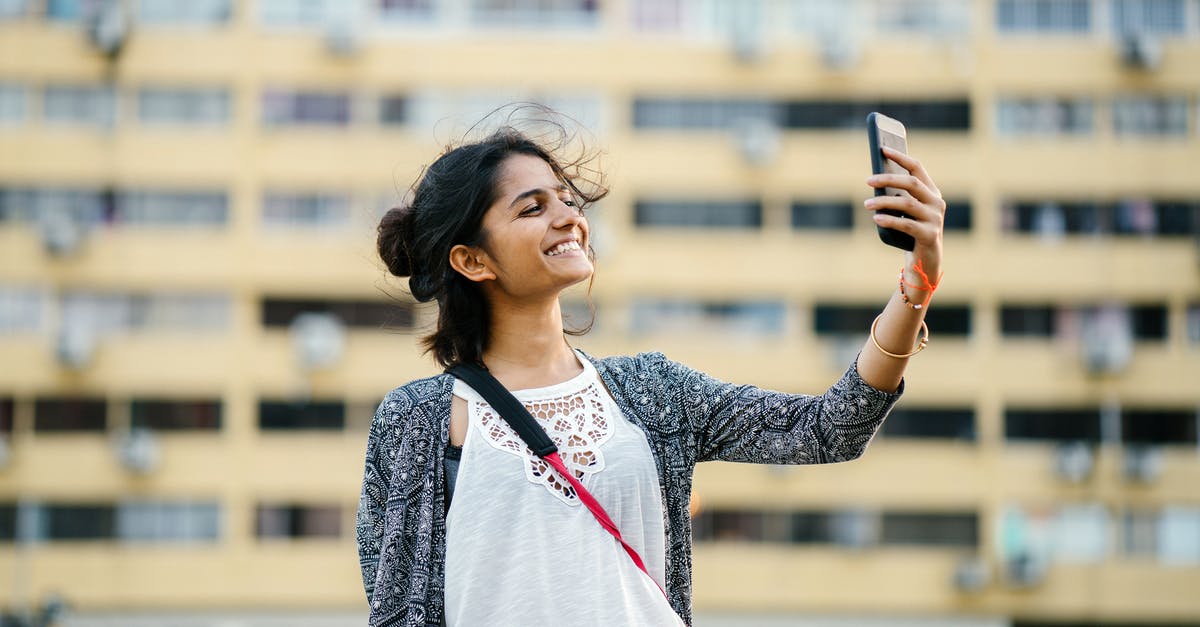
point(687, 417)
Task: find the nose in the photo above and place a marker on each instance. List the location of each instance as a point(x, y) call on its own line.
point(566, 215)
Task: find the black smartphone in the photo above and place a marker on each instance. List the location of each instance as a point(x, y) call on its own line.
point(884, 131)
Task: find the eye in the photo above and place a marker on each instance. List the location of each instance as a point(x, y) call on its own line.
point(530, 210)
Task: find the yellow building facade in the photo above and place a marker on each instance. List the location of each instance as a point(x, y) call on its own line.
point(194, 328)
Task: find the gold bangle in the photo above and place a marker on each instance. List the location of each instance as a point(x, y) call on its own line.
point(921, 343)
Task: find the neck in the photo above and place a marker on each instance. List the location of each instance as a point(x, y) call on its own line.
point(526, 347)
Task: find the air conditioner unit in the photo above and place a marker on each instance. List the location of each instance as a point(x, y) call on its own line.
point(1140, 51)
point(971, 574)
point(319, 339)
point(747, 41)
point(137, 450)
point(108, 27)
point(76, 344)
point(838, 49)
point(1073, 462)
point(758, 140)
point(343, 37)
point(61, 233)
point(1024, 571)
point(856, 529)
point(1141, 463)
point(1106, 340)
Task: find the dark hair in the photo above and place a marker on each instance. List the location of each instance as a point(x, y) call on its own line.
point(446, 209)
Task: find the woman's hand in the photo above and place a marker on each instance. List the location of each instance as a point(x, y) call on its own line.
point(925, 211)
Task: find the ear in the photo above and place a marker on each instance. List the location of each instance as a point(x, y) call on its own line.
point(471, 262)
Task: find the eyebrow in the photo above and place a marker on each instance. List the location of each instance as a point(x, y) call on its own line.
point(534, 192)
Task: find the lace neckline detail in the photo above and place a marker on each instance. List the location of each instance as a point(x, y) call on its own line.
point(574, 385)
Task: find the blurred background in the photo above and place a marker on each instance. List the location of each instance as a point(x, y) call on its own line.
point(195, 330)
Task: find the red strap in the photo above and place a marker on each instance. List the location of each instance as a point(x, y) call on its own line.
point(598, 511)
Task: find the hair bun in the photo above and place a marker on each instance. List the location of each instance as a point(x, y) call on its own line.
point(395, 241)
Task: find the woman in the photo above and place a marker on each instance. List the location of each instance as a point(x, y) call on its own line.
point(494, 233)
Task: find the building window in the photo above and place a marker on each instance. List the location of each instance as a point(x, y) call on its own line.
point(1044, 117)
point(404, 10)
point(301, 415)
point(280, 312)
point(1193, 323)
point(22, 309)
point(702, 114)
point(1170, 534)
point(302, 210)
point(843, 320)
point(1159, 426)
point(930, 529)
point(727, 214)
point(1028, 320)
point(660, 16)
point(929, 17)
point(1179, 535)
point(8, 522)
point(855, 320)
point(1131, 216)
point(12, 9)
point(298, 13)
point(185, 12)
point(175, 415)
point(71, 10)
point(822, 216)
point(183, 107)
point(6, 416)
point(1082, 533)
point(88, 105)
point(930, 423)
point(76, 522)
point(106, 314)
point(535, 13)
point(161, 208)
point(944, 115)
point(949, 319)
point(68, 415)
point(393, 110)
point(156, 521)
point(1149, 322)
point(1043, 16)
point(1053, 424)
point(28, 205)
point(958, 215)
point(1149, 16)
point(298, 521)
point(1153, 116)
point(715, 319)
point(14, 104)
point(306, 108)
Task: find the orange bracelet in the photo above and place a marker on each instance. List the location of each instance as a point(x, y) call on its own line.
point(929, 286)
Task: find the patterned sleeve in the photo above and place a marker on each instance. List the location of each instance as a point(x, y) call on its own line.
point(744, 423)
point(372, 503)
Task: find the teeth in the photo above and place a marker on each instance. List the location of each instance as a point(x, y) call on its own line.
point(564, 247)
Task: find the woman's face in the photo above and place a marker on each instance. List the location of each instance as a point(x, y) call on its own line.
point(536, 236)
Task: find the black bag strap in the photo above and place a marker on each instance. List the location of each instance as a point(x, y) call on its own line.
point(513, 412)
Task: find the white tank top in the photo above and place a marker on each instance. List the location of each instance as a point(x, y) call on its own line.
point(521, 549)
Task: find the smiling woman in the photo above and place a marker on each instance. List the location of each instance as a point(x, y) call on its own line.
point(459, 522)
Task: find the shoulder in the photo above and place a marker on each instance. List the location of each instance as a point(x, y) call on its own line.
point(641, 367)
point(427, 397)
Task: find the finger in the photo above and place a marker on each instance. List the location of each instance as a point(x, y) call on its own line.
point(907, 205)
point(913, 165)
point(907, 182)
point(918, 230)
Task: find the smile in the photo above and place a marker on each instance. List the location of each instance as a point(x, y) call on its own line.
point(564, 247)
